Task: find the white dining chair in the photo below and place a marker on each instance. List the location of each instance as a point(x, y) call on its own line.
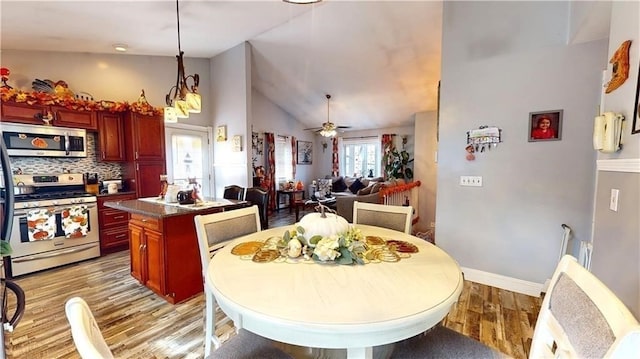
point(381, 215)
point(86, 334)
point(214, 231)
point(579, 318)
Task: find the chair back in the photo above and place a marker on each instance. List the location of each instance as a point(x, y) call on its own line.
point(260, 198)
point(581, 318)
point(233, 192)
point(393, 217)
point(85, 331)
point(215, 230)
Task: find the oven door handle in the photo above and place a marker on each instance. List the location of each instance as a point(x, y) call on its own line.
point(54, 254)
point(57, 209)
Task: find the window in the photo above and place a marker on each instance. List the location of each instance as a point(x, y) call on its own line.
point(360, 157)
point(284, 168)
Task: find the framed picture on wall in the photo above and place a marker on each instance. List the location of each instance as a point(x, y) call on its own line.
point(635, 128)
point(304, 152)
point(545, 126)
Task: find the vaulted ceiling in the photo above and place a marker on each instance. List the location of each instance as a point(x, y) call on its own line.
point(380, 60)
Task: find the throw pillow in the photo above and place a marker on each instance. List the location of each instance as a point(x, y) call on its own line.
point(377, 187)
point(339, 185)
point(356, 186)
point(365, 190)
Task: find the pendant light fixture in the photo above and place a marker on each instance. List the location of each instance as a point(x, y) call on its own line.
point(181, 99)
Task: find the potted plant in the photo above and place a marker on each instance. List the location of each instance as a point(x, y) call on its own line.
point(396, 164)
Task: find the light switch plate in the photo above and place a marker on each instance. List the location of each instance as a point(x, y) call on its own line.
point(613, 203)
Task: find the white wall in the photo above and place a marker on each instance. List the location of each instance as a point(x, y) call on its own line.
point(426, 167)
point(231, 101)
point(109, 77)
point(616, 237)
point(269, 117)
point(501, 61)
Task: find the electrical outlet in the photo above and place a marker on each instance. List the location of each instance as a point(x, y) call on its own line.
point(472, 181)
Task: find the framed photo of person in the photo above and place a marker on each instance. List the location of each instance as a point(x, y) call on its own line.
point(545, 126)
point(304, 152)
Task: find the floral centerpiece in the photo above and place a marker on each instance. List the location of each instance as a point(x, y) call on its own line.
point(325, 238)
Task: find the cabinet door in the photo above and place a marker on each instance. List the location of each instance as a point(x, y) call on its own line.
point(155, 263)
point(64, 117)
point(136, 252)
point(111, 137)
point(148, 178)
point(147, 138)
point(22, 112)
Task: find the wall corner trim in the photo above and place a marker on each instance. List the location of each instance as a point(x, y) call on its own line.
point(496, 280)
point(619, 165)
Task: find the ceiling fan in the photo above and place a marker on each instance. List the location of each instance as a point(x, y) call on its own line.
point(328, 129)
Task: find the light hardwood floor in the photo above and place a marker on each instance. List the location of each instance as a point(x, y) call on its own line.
point(138, 324)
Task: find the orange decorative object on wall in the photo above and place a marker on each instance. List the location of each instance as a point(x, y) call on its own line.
point(620, 61)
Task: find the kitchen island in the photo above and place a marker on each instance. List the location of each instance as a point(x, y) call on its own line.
point(164, 253)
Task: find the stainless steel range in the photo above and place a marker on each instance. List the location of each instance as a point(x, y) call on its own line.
point(54, 225)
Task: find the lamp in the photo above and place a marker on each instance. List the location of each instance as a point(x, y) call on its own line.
point(180, 100)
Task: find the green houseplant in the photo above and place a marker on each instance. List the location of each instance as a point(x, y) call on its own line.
point(396, 164)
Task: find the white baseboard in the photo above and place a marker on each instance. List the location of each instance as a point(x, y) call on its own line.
point(496, 280)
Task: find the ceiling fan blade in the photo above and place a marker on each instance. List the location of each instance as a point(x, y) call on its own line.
point(313, 129)
point(343, 126)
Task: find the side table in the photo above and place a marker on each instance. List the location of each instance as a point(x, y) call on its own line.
point(291, 193)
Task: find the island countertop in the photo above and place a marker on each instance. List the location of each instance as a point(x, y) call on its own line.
point(155, 207)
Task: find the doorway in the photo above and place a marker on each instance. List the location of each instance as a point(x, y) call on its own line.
point(188, 148)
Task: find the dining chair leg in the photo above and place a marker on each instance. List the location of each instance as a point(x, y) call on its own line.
point(210, 323)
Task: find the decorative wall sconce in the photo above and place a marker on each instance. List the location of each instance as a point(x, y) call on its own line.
point(324, 146)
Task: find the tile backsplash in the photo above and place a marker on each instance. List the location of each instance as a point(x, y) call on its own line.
point(55, 165)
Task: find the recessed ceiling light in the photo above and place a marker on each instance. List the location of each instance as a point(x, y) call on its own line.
point(302, 1)
point(120, 47)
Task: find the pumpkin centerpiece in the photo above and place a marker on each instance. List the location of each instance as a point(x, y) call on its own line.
point(323, 224)
point(325, 237)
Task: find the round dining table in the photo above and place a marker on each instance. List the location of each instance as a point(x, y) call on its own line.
point(327, 305)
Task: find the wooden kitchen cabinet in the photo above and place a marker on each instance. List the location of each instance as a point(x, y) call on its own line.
point(111, 137)
point(145, 137)
point(32, 114)
point(22, 112)
point(147, 254)
point(64, 117)
point(162, 249)
point(144, 148)
point(114, 232)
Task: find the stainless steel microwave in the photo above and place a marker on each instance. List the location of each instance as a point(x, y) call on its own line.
point(43, 141)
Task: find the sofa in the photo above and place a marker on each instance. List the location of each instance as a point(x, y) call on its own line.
point(348, 189)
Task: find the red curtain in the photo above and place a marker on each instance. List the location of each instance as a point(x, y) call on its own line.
point(293, 157)
point(271, 170)
point(387, 147)
point(335, 169)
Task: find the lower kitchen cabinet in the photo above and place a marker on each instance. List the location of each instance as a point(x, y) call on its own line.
point(165, 255)
point(114, 234)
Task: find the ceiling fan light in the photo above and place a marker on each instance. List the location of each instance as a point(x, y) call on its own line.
point(327, 133)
